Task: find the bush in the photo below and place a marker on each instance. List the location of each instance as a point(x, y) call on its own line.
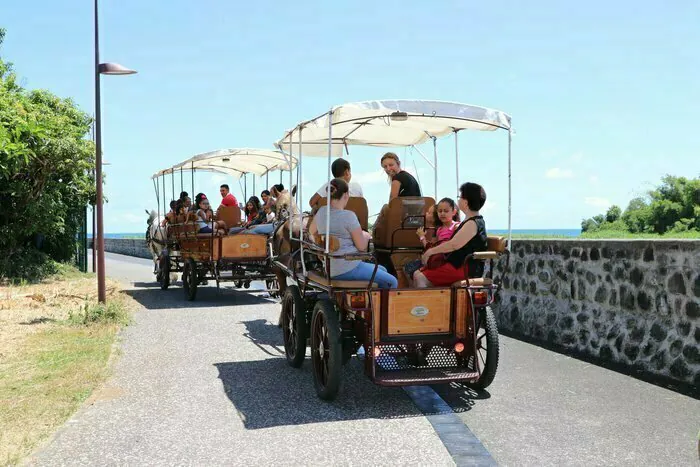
point(27, 264)
point(113, 312)
point(46, 181)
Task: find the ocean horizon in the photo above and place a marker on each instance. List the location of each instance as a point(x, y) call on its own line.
point(545, 232)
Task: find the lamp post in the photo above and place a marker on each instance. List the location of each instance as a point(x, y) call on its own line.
point(105, 69)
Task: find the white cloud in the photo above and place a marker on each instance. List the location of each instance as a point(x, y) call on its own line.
point(593, 179)
point(577, 156)
point(598, 202)
point(556, 172)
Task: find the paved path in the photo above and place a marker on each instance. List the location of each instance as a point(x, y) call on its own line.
point(206, 383)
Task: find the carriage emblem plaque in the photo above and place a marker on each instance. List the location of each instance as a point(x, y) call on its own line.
point(419, 311)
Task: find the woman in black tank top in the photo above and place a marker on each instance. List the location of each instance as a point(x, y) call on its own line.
point(468, 238)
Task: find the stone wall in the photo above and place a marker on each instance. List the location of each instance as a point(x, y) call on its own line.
point(632, 302)
point(126, 246)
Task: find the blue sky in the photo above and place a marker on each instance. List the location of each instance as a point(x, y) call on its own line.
point(603, 95)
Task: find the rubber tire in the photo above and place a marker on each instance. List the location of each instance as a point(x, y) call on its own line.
point(189, 280)
point(325, 309)
point(295, 352)
point(488, 373)
point(164, 272)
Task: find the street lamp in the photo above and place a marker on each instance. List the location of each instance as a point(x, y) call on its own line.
point(99, 241)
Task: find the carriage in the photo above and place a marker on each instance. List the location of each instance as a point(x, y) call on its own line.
point(409, 336)
point(200, 257)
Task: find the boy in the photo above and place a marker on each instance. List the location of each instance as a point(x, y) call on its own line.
point(340, 169)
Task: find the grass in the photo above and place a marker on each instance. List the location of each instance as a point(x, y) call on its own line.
point(55, 341)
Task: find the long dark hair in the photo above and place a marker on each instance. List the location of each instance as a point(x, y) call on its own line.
point(198, 199)
point(255, 201)
point(452, 205)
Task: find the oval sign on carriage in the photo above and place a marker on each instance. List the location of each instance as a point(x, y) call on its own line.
point(419, 311)
point(244, 245)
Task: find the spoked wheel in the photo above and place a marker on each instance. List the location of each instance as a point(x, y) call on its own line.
point(294, 326)
point(326, 350)
point(164, 272)
point(486, 348)
point(190, 279)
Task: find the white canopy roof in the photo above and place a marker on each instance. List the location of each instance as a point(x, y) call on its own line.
point(389, 123)
point(234, 162)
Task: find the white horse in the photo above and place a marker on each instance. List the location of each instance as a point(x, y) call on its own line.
point(156, 240)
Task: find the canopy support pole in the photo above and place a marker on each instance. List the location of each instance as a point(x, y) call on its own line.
point(164, 203)
point(328, 195)
point(423, 156)
point(172, 182)
point(456, 157)
point(182, 182)
point(192, 169)
point(510, 232)
point(267, 180)
point(245, 188)
point(299, 185)
point(155, 187)
point(253, 184)
point(435, 166)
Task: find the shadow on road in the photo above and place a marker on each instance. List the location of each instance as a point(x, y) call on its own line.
point(152, 297)
point(459, 396)
point(261, 333)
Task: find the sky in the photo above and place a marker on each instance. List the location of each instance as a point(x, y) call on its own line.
point(603, 95)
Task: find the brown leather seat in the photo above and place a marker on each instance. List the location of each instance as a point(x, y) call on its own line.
point(496, 246)
point(231, 215)
point(356, 204)
point(397, 222)
point(316, 277)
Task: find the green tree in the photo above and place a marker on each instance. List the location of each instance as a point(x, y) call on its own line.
point(45, 174)
point(613, 214)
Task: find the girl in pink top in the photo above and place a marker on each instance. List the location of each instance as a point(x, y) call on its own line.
point(446, 216)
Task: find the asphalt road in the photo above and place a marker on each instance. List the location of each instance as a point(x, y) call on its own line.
point(206, 383)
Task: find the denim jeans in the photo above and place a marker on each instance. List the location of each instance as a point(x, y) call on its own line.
point(363, 272)
point(262, 229)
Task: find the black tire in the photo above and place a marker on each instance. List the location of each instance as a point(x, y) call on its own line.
point(190, 279)
point(294, 326)
point(486, 333)
point(164, 272)
point(326, 350)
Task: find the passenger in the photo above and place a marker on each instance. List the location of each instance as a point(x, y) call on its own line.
point(227, 197)
point(204, 217)
point(170, 216)
point(253, 212)
point(468, 237)
point(446, 217)
point(284, 205)
point(340, 169)
point(345, 226)
point(402, 182)
point(269, 213)
point(186, 201)
point(265, 196)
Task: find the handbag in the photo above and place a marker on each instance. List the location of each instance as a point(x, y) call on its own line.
point(436, 260)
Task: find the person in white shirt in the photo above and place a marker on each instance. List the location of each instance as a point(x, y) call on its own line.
point(340, 169)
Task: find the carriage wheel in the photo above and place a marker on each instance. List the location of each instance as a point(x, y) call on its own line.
point(326, 350)
point(189, 279)
point(486, 348)
point(164, 272)
point(294, 327)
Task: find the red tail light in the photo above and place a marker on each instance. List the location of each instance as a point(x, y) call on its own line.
point(459, 347)
point(358, 300)
point(480, 298)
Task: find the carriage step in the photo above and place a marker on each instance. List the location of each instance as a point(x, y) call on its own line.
point(423, 376)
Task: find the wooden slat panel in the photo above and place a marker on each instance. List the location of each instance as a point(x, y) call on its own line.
point(376, 316)
point(402, 303)
point(244, 246)
point(461, 318)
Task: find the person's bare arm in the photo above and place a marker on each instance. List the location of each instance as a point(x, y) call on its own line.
point(313, 230)
point(460, 239)
point(395, 187)
point(314, 199)
point(360, 238)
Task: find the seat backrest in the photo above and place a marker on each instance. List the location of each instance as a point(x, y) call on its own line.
point(333, 244)
point(356, 204)
point(231, 215)
point(496, 243)
point(397, 222)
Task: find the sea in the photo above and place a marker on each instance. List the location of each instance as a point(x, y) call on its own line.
point(529, 232)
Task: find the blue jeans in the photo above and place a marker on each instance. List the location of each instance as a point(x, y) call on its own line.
point(261, 229)
point(363, 272)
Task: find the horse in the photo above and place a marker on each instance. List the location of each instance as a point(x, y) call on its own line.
point(156, 241)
